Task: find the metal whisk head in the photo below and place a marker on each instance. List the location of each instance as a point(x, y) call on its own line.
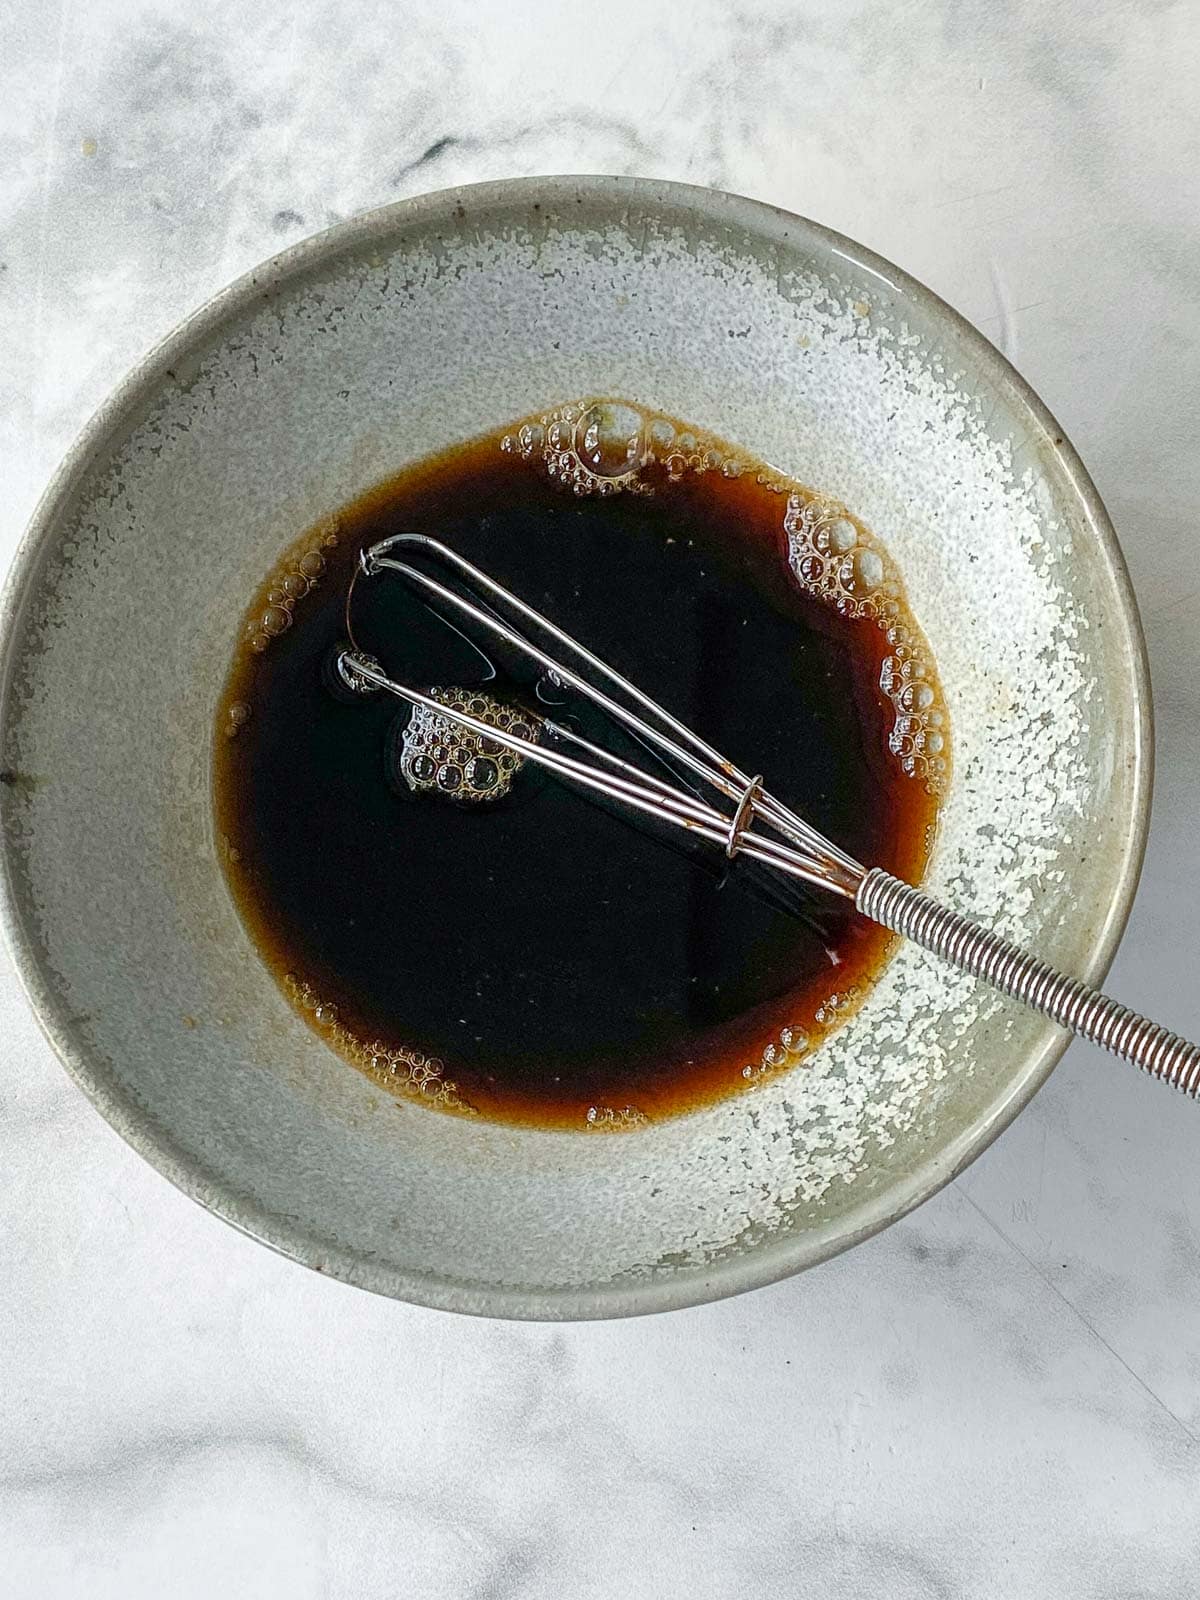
point(728, 808)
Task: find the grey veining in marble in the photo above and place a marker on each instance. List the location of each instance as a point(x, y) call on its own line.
point(1001, 1395)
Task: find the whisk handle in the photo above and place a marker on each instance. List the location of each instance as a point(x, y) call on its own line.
point(1068, 1001)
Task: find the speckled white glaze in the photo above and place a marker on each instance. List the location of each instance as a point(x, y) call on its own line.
point(364, 349)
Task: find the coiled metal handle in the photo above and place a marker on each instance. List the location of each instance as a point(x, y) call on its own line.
point(1068, 1001)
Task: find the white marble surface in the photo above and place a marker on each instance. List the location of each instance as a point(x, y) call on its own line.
point(1000, 1396)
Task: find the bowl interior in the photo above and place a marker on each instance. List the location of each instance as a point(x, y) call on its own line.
point(333, 367)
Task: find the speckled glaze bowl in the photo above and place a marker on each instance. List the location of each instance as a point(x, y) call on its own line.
point(336, 364)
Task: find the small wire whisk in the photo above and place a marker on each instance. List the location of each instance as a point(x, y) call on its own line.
point(728, 808)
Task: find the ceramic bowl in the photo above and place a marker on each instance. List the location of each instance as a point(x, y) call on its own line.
point(333, 366)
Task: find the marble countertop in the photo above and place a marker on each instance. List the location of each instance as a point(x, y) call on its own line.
point(1000, 1396)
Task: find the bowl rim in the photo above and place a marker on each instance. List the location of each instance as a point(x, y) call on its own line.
point(734, 1274)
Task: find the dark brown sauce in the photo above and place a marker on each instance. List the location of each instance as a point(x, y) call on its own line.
point(544, 957)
